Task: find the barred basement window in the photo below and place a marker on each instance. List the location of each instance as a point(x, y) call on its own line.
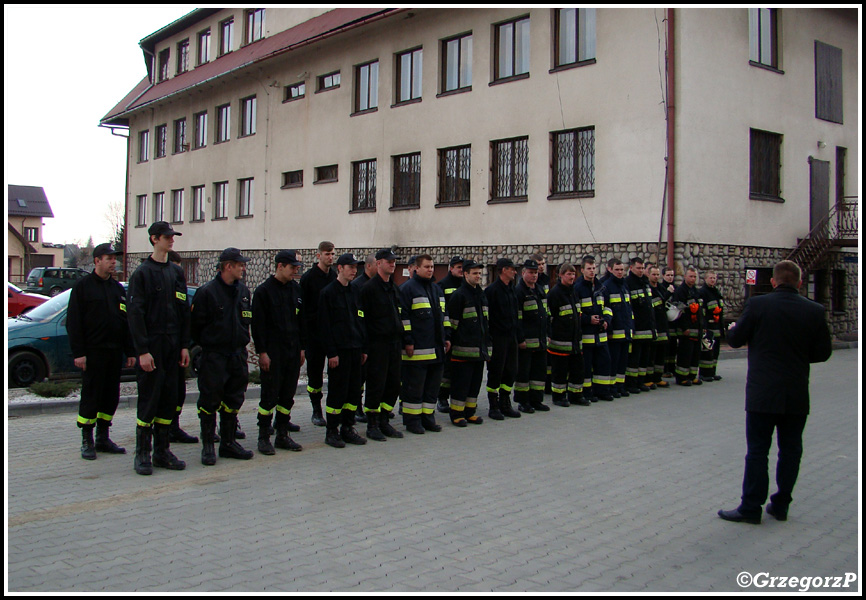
point(407, 181)
point(364, 185)
point(510, 169)
point(573, 163)
point(454, 176)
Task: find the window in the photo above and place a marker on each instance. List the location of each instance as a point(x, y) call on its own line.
point(245, 197)
point(190, 270)
point(292, 179)
point(161, 134)
point(143, 145)
point(454, 175)
point(367, 86)
point(457, 63)
point(203, 53)
point(294, 92)
point(180, 144)
point(162, 65)
point(141, 210)
point(200, 126)
point(177, 206)
point(255, 24)
point(574, 36)
point(326, 174)
point(329, 81)
point(511, 49)
point(223, 124)
point(828, 82)
point(364, 185)
point(197, 203)
point(159, 206)
point(32, 234)
point(510, 169)
point(573, 163)
point(409, 76)
point(407, 181)
point(763, 37)
point(220, 205)
point(183, 56)
point(765, 162)
point(248, 116)
point(227, 30)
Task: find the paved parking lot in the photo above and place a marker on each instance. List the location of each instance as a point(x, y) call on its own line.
point(617, 497)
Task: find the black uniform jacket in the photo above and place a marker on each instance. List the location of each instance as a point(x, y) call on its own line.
point(157, 304)
point(341, 320)
point(659, 297)
point(426, 325)
point(565, 320)
point(449, 285)
point(714, 308)
point(381, 308)
point(503, 311)
point(691, 322)
point(785, 333)
point(221, 316)
point(640, 297)
point(532, 315)
point(470, 331)
point(278, 317)
point(96, 317)
point(312, 284)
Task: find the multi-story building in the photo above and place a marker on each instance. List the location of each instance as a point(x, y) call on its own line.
point(26, 247)
point(710, 137)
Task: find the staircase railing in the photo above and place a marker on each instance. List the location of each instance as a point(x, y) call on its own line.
point(841, 223)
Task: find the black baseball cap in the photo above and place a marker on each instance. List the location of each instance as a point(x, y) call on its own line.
point(530, 264)
point(412, 259)
point(470, 264)
point(105, 249)
point(288, 257)
point(386, 254)
point(349, 259)
point(456, 260)
point(162, 228)
point(233, 254)
point(503, 262)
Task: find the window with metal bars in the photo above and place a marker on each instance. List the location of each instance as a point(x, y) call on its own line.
point(573, 163)
point(765, 161)
point(364, 185)
point(407, 181)
point(161, 136)
point(509, 169)
point(454, 175)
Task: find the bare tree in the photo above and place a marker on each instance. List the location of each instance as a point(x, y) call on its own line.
point(115, 216)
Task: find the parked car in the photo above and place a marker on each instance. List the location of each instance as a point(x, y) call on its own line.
point(39, 344)
point(21, 301)
point(50, 281)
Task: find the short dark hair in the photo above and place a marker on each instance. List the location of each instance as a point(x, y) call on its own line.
point(635, 260)
point(671, 269)
point(174, 256)
point(587, 260)
point(787, 272)
point(537, 257)
point(566, 267)
point(326, 246)
point(422, 257)
point(613, 262)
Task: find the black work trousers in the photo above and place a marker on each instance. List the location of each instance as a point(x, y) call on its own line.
point(383, 376)
point(688, 355)
point(280, 381)
point(222, 382)
point(419, 390)
point(531, 373)
point(100, 387)
point(502, 368)
point(466, 379)
point(316, 361)
point(157, 390)
point(344, 385)
point(639, 361)
point(566, 376)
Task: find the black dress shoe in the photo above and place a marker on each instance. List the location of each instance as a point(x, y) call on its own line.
point(564, 403)
point(776, 512)
point(717, 377)
point(737, 517)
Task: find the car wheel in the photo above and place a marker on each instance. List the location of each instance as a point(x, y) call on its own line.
point(26, 368)
point(54, 291)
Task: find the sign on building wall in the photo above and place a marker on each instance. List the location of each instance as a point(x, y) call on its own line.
point(751, 276)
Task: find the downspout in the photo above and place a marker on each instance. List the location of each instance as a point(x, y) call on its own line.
point(669, 67)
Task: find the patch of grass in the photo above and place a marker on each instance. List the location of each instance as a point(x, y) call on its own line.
point(48, 389)
point(255, 377)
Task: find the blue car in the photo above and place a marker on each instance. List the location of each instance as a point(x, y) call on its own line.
point(39, 344)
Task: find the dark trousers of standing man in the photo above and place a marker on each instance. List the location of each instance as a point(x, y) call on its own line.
point(659, 353)
point(222, 382)
point(709, 359)
point(344, 389)
point(419, 391)
point(501, 371)
point(618, 362)
point(383, 376)
point(466, 379)
point(567, 378)
point(100, 387)
point(597, 382)
point(759, 438)
point(280, 383)
point(157, 390)
point(688, 354)
point(639, 359)
point(531, 373)
point(316, 360)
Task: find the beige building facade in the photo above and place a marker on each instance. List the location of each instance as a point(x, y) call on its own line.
point(499, 131)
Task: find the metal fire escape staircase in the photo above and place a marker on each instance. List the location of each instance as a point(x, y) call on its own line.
point(839, 229)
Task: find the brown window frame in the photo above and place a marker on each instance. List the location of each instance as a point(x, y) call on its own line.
point(364, 185)
point(581, 174)
point(462, 165)
point(406, 184)
point(514, 177)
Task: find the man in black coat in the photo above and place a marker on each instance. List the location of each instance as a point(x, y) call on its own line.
point(785, 333)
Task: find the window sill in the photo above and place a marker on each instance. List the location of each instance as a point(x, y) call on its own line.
point(295, 99)
point(366, 111)
point(177, 222)
point(323, 181)
point(571, 195)
point(405, 102)
point(142, 226)
point(362, 210)
point(220, 219)
point(246, 135)
point(327, 89)
point(158, 157)
point(291, 186)
point(410, 207)
point(509, 79)
point(221, 142)
point(766, 67)
point(175, 153)
point(197, 221)
point(509, 200)
point(447, 204)
point(244, 217)
point(574, 65)
point(765, 198)
point(462, 90)
point(199, 147)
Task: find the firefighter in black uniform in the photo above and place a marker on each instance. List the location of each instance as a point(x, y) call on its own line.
point(341, 325)
point(621, 326)
point(644, 334)
point(449, 284)
point(544, 283)
point(221, 318)
point(384, 329)
point(659, 350)
point(470, 345)
point(668, 288)
point(99, 337)
point(532, 360)
point(507, 339)
point(176, 435)
point(566, 337)
point(159, 322)
point(714, 318)
point(690, 329)
point(360, 279)
point(279, 334)
point(594, 322)
point(312, 284)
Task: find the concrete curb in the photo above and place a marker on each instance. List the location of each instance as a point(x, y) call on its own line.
point(47, 407)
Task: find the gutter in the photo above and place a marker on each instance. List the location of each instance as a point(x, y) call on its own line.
point(671, 134)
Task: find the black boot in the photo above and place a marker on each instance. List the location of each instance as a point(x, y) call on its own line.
point(505, 405)
point(103, 442)
point(332, 432)
point(265, 446)
point(347, 432)
point(386, 428)
point(162, 455)
point(536, 400)
point(373, 431)
point(428, 422)
point(142, 462)
point(577, 398)
point(493, 400)
point(239, 433)
point(229, 448)
point(317, 419)
point(360, 417)
point(208, 438)
point(176, 435)
point(88, 451)
point(283, 439)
